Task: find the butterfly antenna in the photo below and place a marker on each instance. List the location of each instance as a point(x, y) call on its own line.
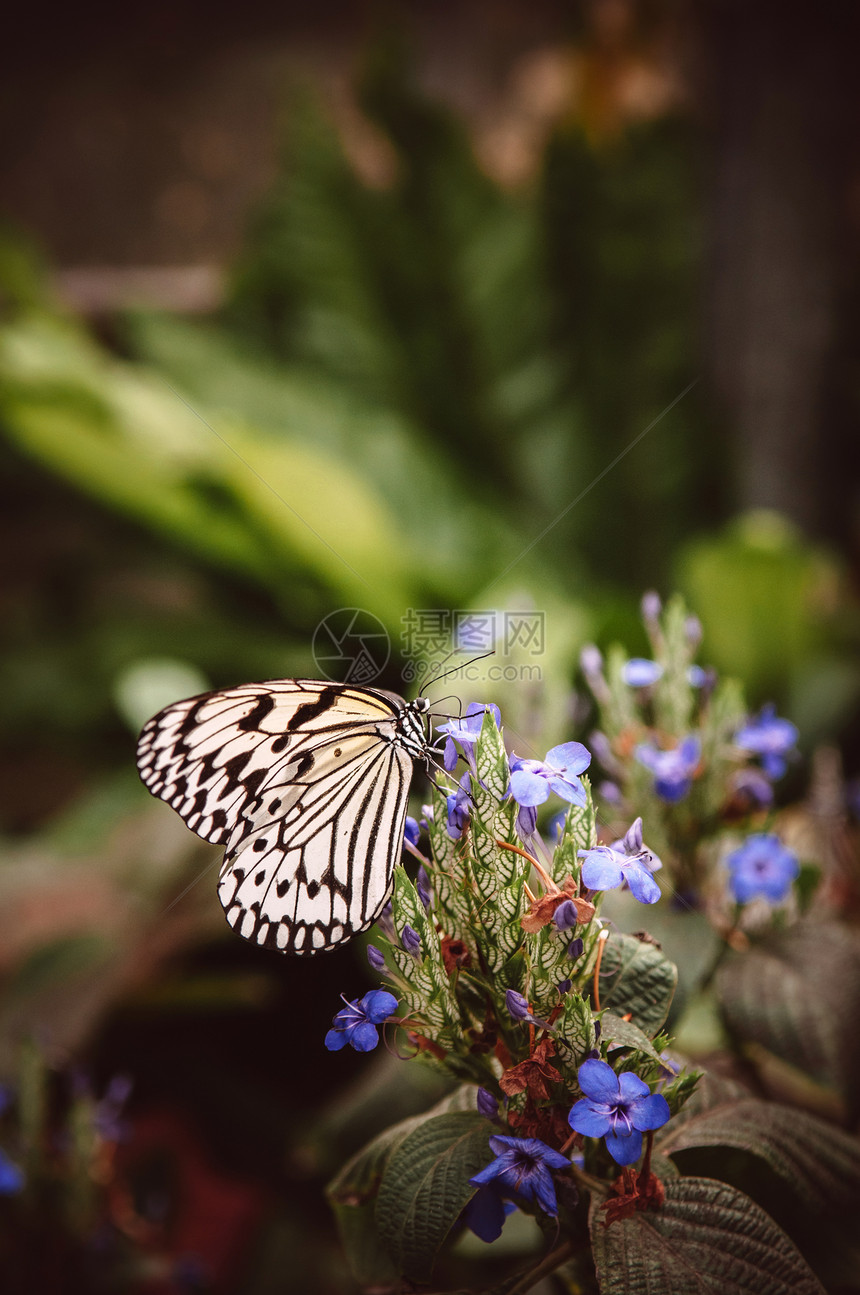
point(454, 669)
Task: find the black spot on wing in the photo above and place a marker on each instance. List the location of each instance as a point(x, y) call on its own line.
point(252, 721)
point(311, 709)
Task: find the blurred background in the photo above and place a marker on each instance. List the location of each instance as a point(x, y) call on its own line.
point(408, 285)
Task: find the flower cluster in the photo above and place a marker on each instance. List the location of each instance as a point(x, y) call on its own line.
point(677, 744)
point(491, 962)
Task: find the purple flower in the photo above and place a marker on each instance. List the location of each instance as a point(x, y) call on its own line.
point(639, 672)
point(411, 941)
point(651, 606)
point(619, 1108)
point(697, 676)
point(11, 1176)
point(607, 866)
point(375, 958)
point(422, 885)
point(356, 1023)
point(591, 660)
point(673, 770)
point(411, 830)
point(533, 780)
point(770, 737)
point(525, 822)
point(521, 1171)
point(565, 916)
point(107, 1115)
point(487, 1104)
point(459, 805)
point(519, 1008)
point(693, 631)
point(751, 788)
point(604, 868)
point(762, 866)
point(575, 948)
point(466, 732)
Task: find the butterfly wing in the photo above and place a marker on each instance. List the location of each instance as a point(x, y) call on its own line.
point(306, 785)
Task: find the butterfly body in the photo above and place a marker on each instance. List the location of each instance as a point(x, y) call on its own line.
point(305, 784)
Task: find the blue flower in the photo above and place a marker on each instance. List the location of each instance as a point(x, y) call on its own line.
point(533, 780)
point(762, 866)
point(486, 1212)
point(466, 731)
point(521, 1171)
point(356, 1023)
point(411, 831)
point(639, 672)
point(770, 737)
point(459, 806)
point(673, 770)
point(11, 1176)
point(619, 1108)
point(607, 866)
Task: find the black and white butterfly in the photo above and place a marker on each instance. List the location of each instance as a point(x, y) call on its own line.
point(306, 785)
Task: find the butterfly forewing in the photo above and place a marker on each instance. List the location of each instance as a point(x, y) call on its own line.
point(306, 785)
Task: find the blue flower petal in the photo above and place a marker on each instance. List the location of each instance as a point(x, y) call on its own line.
point(569, 757)
point(632, 1086)
point(569, 789)
point(640, 672)
point(544, 1189)
point(363, 1037)
point(378, 1005)
point(585, 1118)
point(529, 788)
point(485, 1214)
point(602, 869)
point(641, 882)
point(626, 1150)
point(335, 1040)
point(598, 1081)
point(649, 1112)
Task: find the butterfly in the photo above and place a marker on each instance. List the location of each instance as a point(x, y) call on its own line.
point(306, 784)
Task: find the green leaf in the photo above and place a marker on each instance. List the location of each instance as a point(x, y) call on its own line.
point(706, 1237)
point(637, 978)
point(491, 761)
point(790, 997)
point(820, 1163)
point(425, 1185)
point(352, 1196)
point(619, 1033)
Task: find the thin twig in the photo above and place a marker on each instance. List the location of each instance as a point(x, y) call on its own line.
point(602, 938)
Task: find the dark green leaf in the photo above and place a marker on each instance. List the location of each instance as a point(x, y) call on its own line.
point(425, 1185)
point(791, 996)
point(624, 1034)
point(820, 1163)
point(706, 1237)
point(637, 978)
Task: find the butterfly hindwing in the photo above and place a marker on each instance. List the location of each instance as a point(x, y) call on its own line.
point(306, 785)
point(298, 879)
